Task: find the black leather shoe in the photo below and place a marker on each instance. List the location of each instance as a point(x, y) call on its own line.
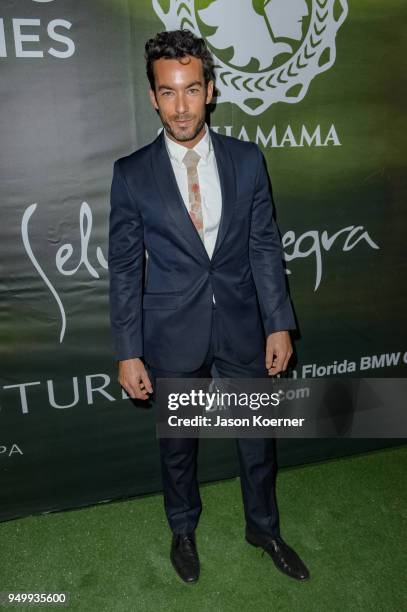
point(184, 556)
point(284, 557)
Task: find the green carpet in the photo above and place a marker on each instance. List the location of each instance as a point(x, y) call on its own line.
point(345, 518)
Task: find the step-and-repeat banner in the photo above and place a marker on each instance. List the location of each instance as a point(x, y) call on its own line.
point(318, 85)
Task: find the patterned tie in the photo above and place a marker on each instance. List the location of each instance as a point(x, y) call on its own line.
point(191, 159)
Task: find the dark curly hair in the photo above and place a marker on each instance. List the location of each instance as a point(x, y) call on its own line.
point(175, 45)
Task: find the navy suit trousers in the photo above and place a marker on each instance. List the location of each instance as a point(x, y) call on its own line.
point(257, 456)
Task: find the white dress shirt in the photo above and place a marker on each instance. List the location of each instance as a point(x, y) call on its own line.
point(211, 196)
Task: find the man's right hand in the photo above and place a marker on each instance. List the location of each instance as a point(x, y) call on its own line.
point(134, 379)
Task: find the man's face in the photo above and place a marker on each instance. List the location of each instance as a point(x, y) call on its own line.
point(180, 97)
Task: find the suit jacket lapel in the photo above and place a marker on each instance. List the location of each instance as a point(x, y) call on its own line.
point(170, 194)
point(227, 179)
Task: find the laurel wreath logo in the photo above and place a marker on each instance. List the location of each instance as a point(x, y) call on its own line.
point(289, 82)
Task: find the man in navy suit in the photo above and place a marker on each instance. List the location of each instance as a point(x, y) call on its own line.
point(214, 292)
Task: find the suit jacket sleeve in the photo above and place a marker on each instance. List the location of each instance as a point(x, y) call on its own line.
point(266, 255)
point(125, 261)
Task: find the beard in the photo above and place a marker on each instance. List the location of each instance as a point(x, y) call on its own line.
point(184, 134)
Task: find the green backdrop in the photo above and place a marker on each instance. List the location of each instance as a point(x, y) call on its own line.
point(318, 84)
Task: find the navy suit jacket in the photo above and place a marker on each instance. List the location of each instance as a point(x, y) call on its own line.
point(164, 313)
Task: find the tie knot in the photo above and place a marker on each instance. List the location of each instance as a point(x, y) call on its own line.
point(191, 158)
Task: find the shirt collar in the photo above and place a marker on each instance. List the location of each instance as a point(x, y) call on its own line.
point(177, 151)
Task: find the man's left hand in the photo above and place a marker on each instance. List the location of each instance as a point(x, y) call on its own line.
point(278, 352)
